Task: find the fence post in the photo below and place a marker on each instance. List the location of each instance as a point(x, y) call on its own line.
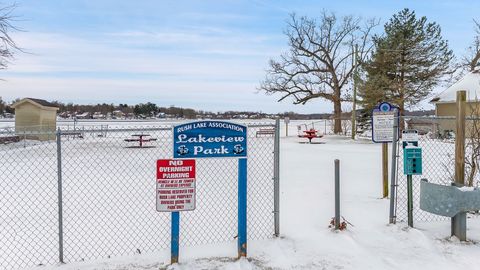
point(276, 179)
point(393, 171)
point(337, 194)
point(459, 221)
point(60, 195)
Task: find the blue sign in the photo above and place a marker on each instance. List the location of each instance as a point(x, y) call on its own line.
point(385, 107)
point(208, 139)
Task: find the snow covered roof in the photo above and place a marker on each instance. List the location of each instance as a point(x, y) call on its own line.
point(469, 83)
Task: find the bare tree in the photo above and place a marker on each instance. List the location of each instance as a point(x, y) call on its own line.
point(471, 61)
point(7, 44)
point(2, 106)
point(319, 61)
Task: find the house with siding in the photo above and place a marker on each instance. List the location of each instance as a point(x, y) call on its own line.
point(445, 101)
point(35, 119)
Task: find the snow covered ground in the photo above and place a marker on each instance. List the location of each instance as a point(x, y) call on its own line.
point(306, 209)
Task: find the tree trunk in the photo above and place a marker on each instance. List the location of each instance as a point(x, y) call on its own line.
point(401, 121)
point(337, 114)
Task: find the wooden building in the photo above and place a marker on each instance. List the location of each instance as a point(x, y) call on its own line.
point(35, 119)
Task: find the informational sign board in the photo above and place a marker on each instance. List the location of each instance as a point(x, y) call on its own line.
point(412, 160)
point(287, 120)
point(209, 139)
point(409, 136)
point(383, 119)
point(175, 185)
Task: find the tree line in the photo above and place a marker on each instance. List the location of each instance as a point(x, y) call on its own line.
point(148, 109)
point(328, 56)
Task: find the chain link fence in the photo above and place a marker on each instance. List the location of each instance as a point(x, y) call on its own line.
point(102, 185)
point(437, 140)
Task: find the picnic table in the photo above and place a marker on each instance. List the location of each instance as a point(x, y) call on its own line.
point(310, 134)
point(141, 139)
point(265, 131)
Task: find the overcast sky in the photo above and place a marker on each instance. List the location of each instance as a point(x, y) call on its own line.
point(208, 55)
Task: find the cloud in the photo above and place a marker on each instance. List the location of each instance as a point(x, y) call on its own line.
point(164, 53)
point(212, 74)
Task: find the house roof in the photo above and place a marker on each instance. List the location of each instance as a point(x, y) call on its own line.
point(39, 102)
point(469, 83)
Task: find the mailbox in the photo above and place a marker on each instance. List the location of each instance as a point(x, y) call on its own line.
point(412, 160)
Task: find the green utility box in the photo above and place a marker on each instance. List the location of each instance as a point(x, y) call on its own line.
point(412, 160)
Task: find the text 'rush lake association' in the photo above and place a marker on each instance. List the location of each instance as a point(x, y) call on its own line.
point(210, 139)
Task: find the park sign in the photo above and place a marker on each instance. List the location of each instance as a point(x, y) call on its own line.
point(383, 119)
point(209, 139)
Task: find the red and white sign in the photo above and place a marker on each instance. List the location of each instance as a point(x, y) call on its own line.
point(175, 185)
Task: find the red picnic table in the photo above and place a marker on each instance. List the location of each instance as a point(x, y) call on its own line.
point(310, 134)
point(141, 138)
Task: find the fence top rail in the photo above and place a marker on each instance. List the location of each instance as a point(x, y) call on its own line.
point(427, 117)
point(439, 117)
point(79, 129)
point(129, 129)
point(260, 125)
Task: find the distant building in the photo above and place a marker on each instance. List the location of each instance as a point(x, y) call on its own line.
point(118, 114)
point(424, 125)
point(445, 101)
point(85, 115)
point(98, 115)
point(35, 116)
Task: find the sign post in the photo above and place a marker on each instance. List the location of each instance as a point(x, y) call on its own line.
point(242, 207)
point(412, 165)
point(175, 192)
point(175, 237)
point(218, 139)
point(385, 169)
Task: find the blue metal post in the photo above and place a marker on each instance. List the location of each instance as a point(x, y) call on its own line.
point(175, 237)
point(242, 207)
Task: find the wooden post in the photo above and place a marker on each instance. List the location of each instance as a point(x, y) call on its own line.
point(385, 169)
point(354, 105)
point(459, 221)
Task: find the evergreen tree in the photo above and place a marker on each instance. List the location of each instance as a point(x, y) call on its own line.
point(408, 62)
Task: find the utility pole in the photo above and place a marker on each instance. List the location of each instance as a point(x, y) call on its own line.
point(354, 105)
point(459, 221)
